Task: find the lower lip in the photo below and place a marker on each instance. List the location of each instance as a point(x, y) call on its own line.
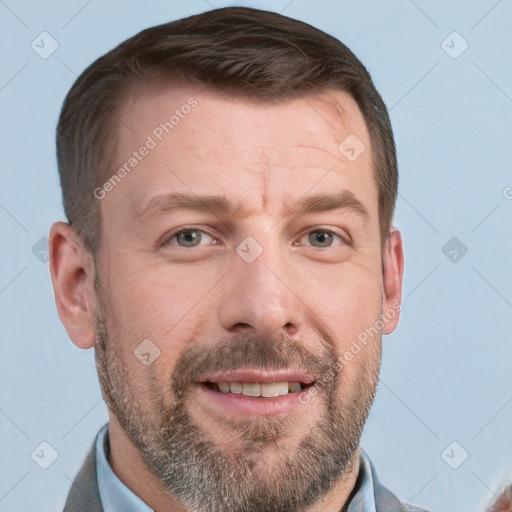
point(242, 405)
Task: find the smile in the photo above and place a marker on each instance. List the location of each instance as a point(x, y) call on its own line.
point(261, 389)
point(251, 391)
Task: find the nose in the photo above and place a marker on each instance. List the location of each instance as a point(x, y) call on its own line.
point(259, 297)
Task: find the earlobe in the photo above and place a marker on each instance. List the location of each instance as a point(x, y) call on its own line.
point(72, 271)
point(392, 282)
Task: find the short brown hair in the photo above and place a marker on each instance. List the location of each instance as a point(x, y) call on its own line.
point(259, 54)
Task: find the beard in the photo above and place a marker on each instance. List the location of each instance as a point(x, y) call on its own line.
point(259, 472)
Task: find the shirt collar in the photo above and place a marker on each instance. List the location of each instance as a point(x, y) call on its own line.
point(115, 496)
point(364, 498)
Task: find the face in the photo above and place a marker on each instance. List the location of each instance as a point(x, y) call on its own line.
point(240, 262)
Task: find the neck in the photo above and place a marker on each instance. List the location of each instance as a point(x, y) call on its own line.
point(337, 499)
point(129, 466)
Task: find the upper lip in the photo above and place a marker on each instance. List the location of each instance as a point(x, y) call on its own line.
point(258, 375)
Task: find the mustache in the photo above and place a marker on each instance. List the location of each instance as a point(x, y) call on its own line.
point(250, 351)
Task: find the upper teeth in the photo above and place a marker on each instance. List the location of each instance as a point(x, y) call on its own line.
point(265, 389)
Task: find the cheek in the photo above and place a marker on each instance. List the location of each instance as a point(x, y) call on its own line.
point(162, 303)
point(348, 303)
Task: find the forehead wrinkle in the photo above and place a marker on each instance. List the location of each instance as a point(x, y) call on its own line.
point(310, 149)
point(265, 154)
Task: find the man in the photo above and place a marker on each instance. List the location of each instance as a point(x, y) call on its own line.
point(230, 182)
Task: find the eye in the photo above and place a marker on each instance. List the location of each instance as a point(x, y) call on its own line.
point(323, 238)
point(187, 238)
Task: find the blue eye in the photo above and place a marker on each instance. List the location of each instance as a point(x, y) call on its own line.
point(188, 238)
point(321, 238)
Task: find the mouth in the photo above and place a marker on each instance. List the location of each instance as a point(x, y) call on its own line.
point(254, 392)
point(257, 389)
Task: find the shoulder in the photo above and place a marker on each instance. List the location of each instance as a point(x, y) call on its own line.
point(385, 500)
point(84, 494)
point(410, 508)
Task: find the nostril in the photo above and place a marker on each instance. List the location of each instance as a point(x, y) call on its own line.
point(291, 328)
point(241, 326)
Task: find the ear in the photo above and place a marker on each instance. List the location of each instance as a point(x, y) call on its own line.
point(392, 282)
point(72, 271)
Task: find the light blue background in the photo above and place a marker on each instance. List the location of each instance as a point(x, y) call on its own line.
point(447, 369)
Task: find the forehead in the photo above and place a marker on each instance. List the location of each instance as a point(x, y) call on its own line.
point(202, 141)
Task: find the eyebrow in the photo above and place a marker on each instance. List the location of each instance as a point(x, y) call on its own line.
point(218, 204)
point(335, 200)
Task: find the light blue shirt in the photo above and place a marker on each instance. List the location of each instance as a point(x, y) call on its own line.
point(116, 497)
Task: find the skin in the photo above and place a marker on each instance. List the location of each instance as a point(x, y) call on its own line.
point(263, 157)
